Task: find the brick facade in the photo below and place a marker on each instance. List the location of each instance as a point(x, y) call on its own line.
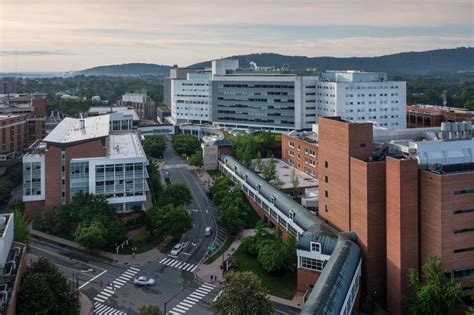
point(298, 153)
point(402, 228)
point(12, 134)
point(306, 279)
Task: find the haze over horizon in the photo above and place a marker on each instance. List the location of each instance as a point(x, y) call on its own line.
point(54, 35)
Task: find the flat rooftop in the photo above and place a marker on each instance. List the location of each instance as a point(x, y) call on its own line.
point(124, 145)
point(69, 130)
point(307, 136)
point(102, 110)
point(284, 173)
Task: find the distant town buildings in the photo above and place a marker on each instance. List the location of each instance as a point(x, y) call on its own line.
point(22, 118)
point(143, 105)
point(88, 155)
point(281, 101)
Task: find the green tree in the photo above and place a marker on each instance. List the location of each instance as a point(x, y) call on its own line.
point(469, 105)
point(272, 255)
point(154, 146)
point(150, 310)
point(91, 234)
point(155, 182)
point(45, 290)
point(232, 218)
point(186, 144)
point(177, 195)
point(5, 190)
point(295, 182)
point(21, 232)
point(88, 207)
point(467, 92)
point(433, 293)
point(242, 294)
point(170, 220)
point(196, 159)
point(269, 170)
point(245, 147)
point(116, 232)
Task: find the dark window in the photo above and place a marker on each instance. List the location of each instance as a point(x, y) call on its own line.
point(362, 145)
point(326, 193)
point(326, 179)
point(464, 191)
point(464, 211)
point(326, 208)
point(464, 230)
point(326, 164)
point(462, 250)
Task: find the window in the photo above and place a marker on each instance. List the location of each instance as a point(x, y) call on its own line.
point(464, 230)
point(464, 211)
point(326, 193)
point(316, 247)
point(362, 145)
point(462, 250)
point(326, 179)
point(326, 208)
point(313, 264)
point(326, 164)
point(273, 199)
point(292, 215)
point(464, 191)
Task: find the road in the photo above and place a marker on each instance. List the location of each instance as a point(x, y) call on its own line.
point(111, 287)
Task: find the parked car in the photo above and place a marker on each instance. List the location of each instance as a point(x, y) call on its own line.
point(143, 280)
point(208, 231)
point(177, 249)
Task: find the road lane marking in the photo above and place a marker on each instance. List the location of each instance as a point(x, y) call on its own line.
point(101, 309)
point(201, 291)
point(193, 269)
point(84, 284)
point(187, 303)
point(192, 299)
point(135, 269)
point(210, 286)
point(99, 299)
point(118, 281)
point(178, 266)
point(109, 291)
point(128, 273)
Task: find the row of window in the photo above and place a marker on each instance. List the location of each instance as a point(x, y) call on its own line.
point(464, 191)
point(312, 264)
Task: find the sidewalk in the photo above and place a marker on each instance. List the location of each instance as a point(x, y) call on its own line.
point(142, 259)
point(85, 303)
point(204, 272)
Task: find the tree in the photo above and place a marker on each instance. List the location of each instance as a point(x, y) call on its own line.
point(258, 162)
point(21, 232)
point(170, 220)
point(186, 144)
point(196, 159)
point(5, 190)
point(272, 255)
point(269, 170)
point(246, 148)
point(91, 234)
point(150, 310)
point(232, 218)
point(295, 182)
point(434, 293)
point(154, 146)
point(469, 105)
point(45, 290)
point(242, 294)
point(177, 195)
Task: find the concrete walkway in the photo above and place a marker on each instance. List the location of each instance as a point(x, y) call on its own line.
point(85, 304)
point(138, 260)
point(204, 272)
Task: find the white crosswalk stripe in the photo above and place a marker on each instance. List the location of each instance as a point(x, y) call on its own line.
point(101, 309)
point(108, 291)
point(174, 263)
point(193, 298)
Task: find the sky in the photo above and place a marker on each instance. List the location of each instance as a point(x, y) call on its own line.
point(67, 35)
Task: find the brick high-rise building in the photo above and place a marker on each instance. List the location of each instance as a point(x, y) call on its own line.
point(407, 194)
point(422, 116)
point(13, 135)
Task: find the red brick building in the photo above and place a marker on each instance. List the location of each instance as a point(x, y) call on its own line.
point(300, 149)
point(420, 116)
point(407, 194)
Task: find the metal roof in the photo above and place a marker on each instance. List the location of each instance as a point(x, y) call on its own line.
point(70, 130)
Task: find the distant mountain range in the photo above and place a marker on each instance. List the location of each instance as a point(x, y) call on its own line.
point(128, 69)
point(425, 62)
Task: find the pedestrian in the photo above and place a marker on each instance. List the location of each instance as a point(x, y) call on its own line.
point(212, 277)
point(133, 255)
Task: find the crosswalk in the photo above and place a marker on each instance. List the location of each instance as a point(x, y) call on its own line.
point(174, 263)
point(186, 304)
point(116, 284)
point(101, 309)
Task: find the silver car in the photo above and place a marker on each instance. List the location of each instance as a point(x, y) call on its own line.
point(177, 249)
point(143, 280)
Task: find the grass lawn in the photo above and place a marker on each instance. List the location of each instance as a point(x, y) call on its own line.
point(283, 285)
point(141, 247)
point(222, 250)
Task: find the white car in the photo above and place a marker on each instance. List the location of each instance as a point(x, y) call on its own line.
point(143, 280)
point(177, 249)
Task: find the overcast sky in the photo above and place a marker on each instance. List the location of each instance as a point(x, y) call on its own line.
point(63, 35)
